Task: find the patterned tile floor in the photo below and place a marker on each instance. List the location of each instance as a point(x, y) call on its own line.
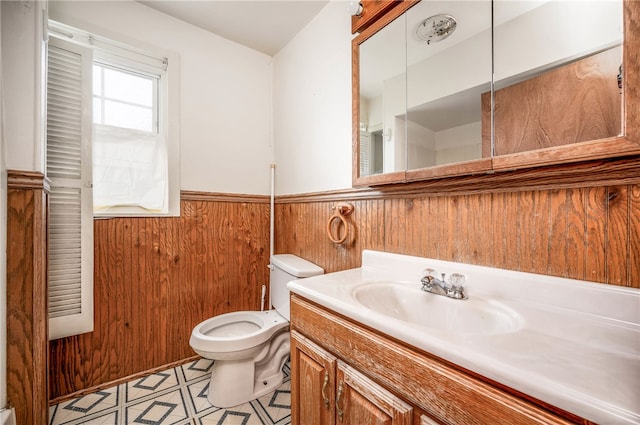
point(175, 396)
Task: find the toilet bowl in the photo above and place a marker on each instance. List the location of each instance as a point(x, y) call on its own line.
point(249, 348)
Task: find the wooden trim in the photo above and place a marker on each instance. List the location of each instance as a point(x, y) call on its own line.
point(27, 312)
point(384, 20)
point(371, 11)
point(609, 148)
point(598, 173)
point(631, 61)
point(17, 179)
point(355, 116)
point(477, 166)
point(119, 381)
point(190, 195)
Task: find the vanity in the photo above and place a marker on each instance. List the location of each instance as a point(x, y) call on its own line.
point(370, 346)
point(449, 96)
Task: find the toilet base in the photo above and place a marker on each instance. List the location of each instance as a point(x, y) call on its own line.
point(235, 382)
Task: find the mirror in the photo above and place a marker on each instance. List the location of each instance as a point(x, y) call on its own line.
point(448, 69)
point(556, 67)
point(383, 100)
point(424, 105)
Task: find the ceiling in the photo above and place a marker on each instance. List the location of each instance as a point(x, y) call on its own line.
point(263, 25)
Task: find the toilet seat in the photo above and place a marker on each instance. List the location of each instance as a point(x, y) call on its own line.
point(250, 348)
point(237, 331)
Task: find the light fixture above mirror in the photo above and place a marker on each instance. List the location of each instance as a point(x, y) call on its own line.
point(354, 8)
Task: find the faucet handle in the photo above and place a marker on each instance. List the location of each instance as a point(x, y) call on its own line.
point(457, 289)
point(427, 279)
point(429, 272)
point(457, 279)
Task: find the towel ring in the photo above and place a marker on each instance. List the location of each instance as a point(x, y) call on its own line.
point(341, 211)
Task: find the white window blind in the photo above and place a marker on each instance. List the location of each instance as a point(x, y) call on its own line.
point(68, 163)
point(365, 154)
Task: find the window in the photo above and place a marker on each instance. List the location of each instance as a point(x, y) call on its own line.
point(123, 98)
point(135, 135)
point(130, 168)
point(112, 150)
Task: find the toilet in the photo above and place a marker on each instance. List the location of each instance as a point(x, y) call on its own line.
point(249, 348)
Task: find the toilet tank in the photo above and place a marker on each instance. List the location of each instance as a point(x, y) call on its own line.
point(288, 267)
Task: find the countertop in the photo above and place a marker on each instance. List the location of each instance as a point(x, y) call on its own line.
point(576, 345)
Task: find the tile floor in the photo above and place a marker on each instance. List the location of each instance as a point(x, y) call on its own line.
point(175, 396)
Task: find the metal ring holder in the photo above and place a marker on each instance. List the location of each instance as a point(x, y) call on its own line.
point(341, 211)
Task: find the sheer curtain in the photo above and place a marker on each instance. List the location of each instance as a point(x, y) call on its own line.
point(129, 169)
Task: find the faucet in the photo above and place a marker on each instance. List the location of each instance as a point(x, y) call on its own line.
point(454, 289)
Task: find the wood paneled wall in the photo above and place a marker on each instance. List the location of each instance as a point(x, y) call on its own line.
point(584, 227)
point(27, 322)
point(156, 278)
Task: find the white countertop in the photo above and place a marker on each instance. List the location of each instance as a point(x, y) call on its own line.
point(576, 346)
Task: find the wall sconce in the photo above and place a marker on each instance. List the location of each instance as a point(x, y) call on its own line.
point(355, 8)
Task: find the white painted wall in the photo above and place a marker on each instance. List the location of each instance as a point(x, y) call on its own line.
point(312, 106)
point(556, 31)
point(225, 118)
point(22, 52)
point(421, 146)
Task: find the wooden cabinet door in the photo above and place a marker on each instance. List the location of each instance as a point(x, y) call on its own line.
point(360, 401)
point(313, 373)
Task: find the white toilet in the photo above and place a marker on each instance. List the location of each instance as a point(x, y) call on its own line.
point(249, 348)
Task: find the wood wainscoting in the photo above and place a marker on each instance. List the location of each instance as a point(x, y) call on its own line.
point(580, 221)
point(27, 323)
point(156, 278)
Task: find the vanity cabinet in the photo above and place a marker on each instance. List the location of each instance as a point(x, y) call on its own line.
point(327, 391)
point(329, 352)
point(313, 378)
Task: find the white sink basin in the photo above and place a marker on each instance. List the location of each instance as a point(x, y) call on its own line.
point(572, 344)
point(408, 303)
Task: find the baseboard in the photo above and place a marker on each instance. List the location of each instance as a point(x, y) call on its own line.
point(115, 382)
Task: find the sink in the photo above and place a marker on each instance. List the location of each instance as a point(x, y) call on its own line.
point(558, 340)
point(406, 302)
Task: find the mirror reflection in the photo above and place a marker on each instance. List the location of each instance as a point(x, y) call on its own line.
point(556, 66)
point(383, 100)
point(425, 81)
point(448, 69)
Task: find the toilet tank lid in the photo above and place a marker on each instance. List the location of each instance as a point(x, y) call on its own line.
point(295, 265)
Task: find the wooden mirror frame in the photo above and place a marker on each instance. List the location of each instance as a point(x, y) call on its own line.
point(613, 147)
